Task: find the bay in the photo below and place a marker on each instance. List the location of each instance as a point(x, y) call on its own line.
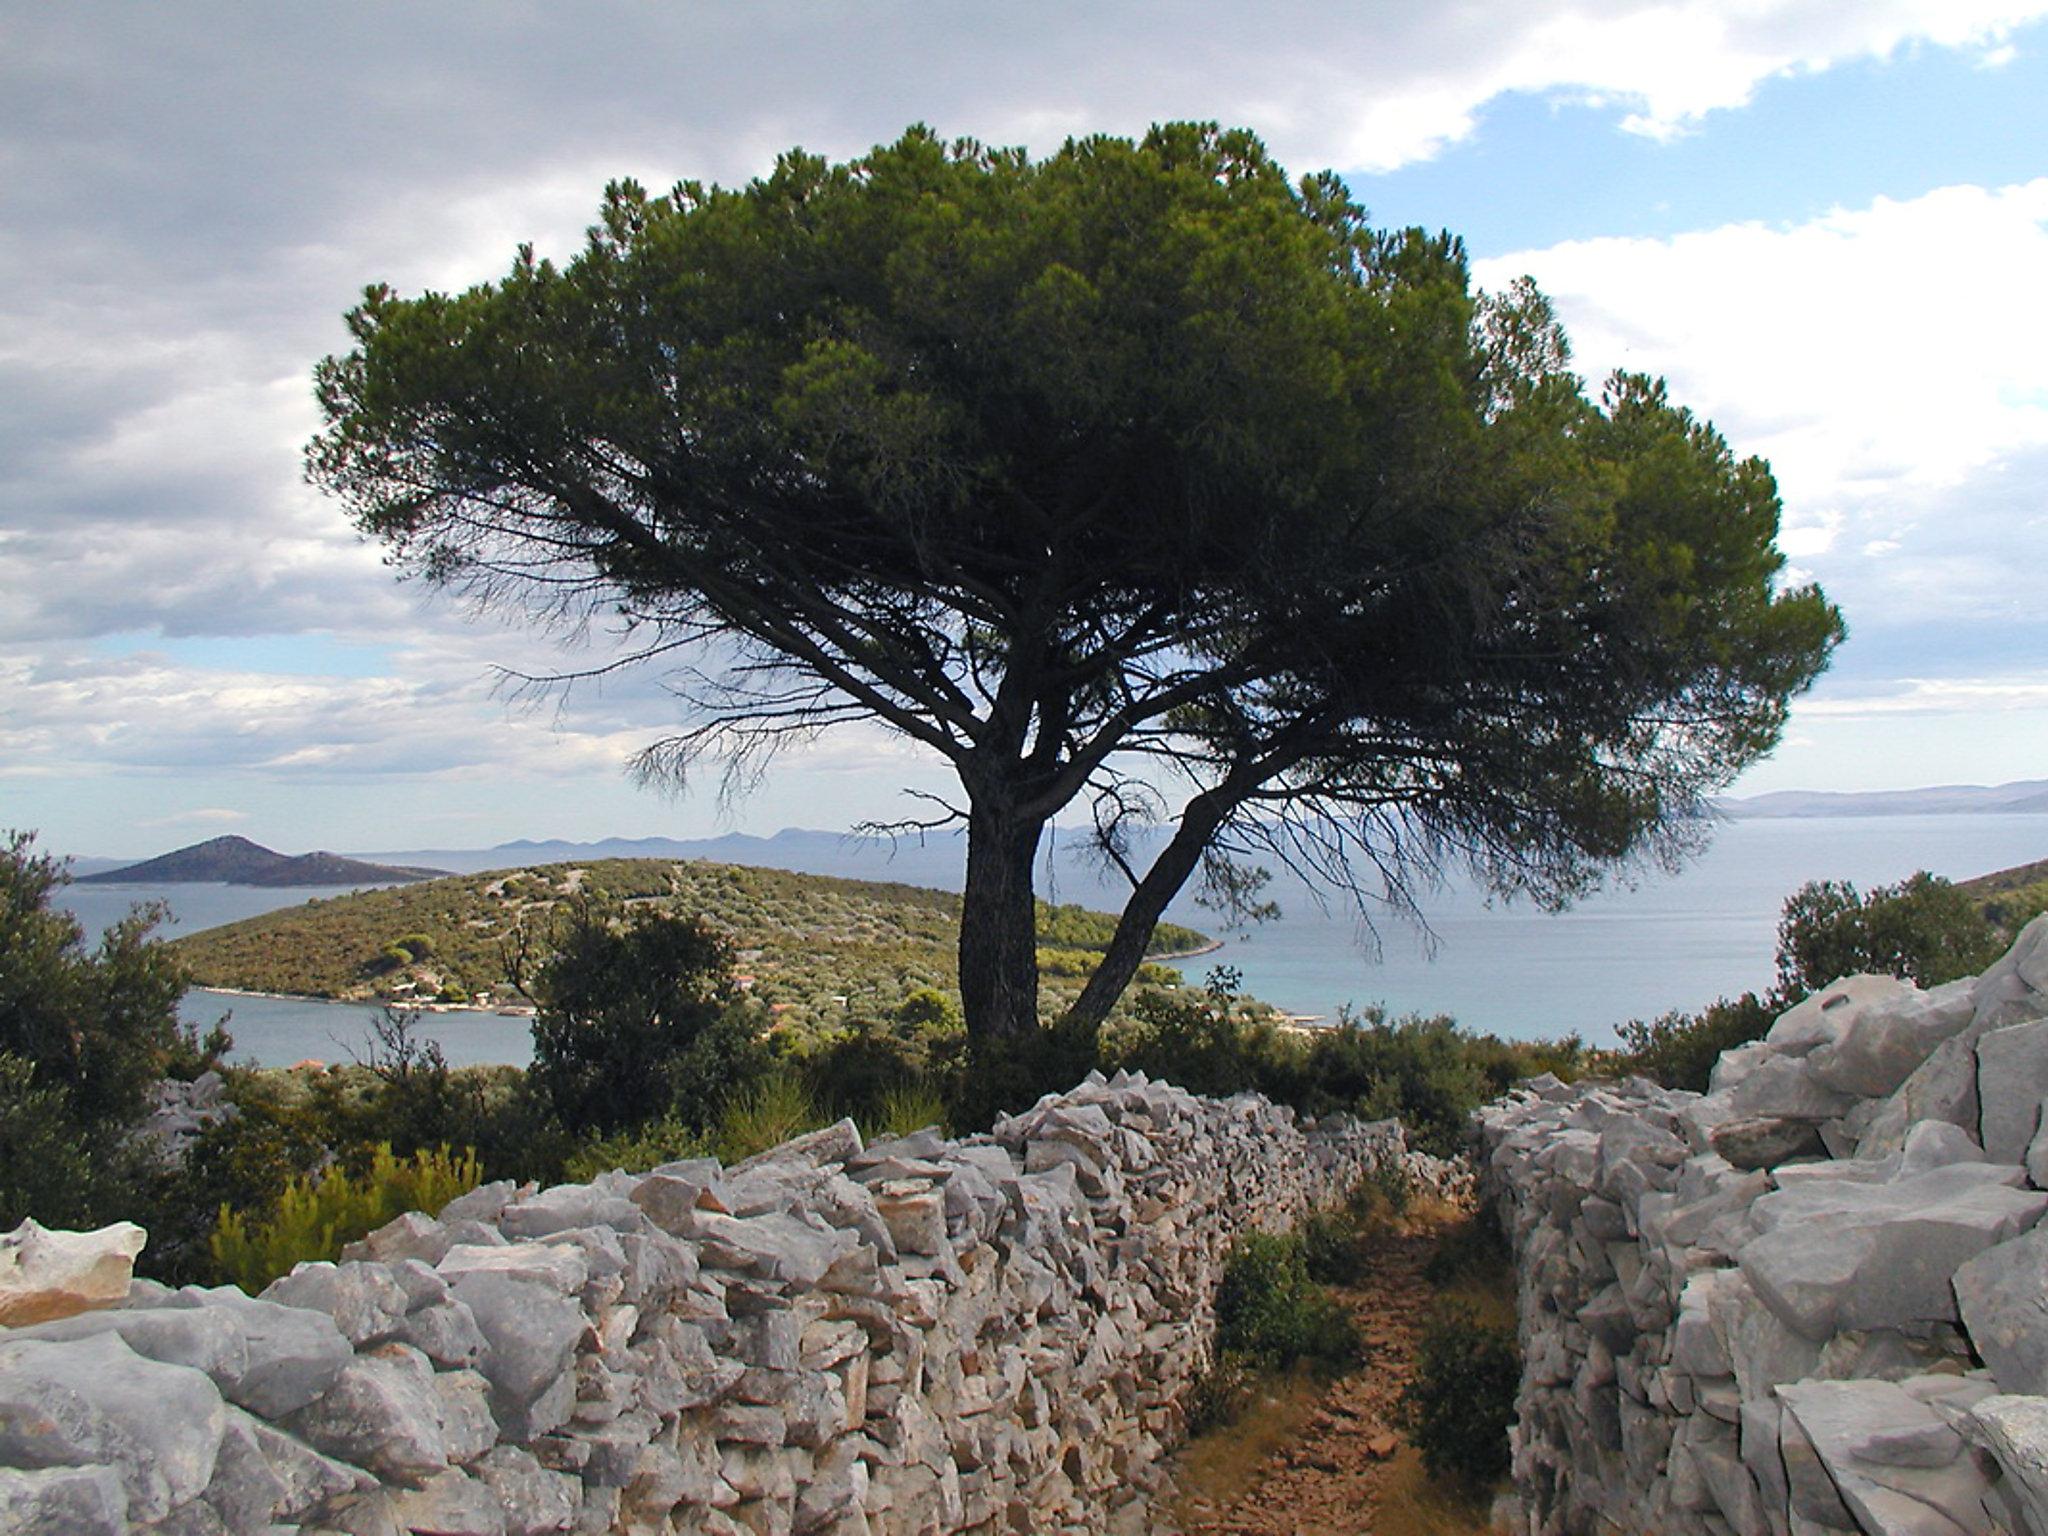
point(1672, 942)
point(277, 1031)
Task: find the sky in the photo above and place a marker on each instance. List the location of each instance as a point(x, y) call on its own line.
point(1825, 224)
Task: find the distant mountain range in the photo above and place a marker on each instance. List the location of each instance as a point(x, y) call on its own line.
point(237, 861)
point(937, 860)
point(2026, 797)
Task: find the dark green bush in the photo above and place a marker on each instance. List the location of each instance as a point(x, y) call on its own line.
point(1330, 1248)
point(1461, 1400)
point(639, 1019)
point(1270, 1311)
point(100, 1023)
point(46, 1164)
point(1922, 930)
point(1679, 1050)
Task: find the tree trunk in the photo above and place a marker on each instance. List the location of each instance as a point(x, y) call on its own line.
point(1162, 882)
point(999, 926)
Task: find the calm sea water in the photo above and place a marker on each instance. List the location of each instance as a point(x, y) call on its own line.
point(1673, 942)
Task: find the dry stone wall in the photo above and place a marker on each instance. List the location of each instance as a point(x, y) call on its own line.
point(1813, 1299)
point(994, 1334)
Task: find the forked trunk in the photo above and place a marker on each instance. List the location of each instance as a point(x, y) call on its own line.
point(999, 928)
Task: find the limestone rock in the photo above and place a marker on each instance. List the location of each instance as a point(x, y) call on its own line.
point(1824, 1017)
point(1854, 1428)
point(2002, 1295)
point(95, 1402)
point(63, 1501)
point(291, 1354)
point(381, 1413)
point(47, 1274)
point(2012, 1078)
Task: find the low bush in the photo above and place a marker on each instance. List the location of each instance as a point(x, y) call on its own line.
point(636, 1151)
point(1461, 1400)
point(314, 1217)
point(775, 1108)
point(46, 1163)
point(1679, 1050)
point(1271, 1311)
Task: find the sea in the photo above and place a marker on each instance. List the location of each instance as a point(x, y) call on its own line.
point(1666, 942)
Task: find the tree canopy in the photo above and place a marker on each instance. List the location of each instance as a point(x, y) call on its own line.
point(1137, 478)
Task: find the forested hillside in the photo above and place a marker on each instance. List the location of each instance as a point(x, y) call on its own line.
point(816, 947)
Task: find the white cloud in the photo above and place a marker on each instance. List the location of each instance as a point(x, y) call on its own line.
point(1889, 361)
point(195, 194)
point(205, 816)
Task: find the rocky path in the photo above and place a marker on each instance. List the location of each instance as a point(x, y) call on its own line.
point(1318, 1461)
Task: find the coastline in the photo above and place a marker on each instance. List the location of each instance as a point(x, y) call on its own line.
point(521, 1011)
point(1172, 955)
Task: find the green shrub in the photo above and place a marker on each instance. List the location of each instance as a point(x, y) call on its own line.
point(1330, 1248)
point(1270, 1311)
point(1474, 1252)
point(1679, 1050)
point(909, 1107)
point(1386, 1189)
point(99, 1023)
point(775, 1108)
point(1461, 1400)
point(639, 1019)
point(636, 1151)
point(46, 1163)
point(314, 1217)
point(1922, 930)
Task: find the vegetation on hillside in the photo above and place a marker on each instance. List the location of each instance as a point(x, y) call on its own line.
point(812, 949)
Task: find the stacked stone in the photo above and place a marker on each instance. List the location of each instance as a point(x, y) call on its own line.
point(991, 1335)
point(1813, 1299)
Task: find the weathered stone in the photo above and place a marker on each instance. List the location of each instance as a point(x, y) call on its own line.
point(535, 1501)
point(1822, 1018)
point(836, 1143)
point(364, 1299)
point(1944, 1087)
point(1765, 1142)
point(445, 1332)
point(568, 1206)
point(1845, 1420)
point(203, 1340)
point(2014, 1429)
point(1885, 1042)
point(310, 1480)
point(95, 1402)
point(292, 1354)
point(381, 1413)
point(561, 1269)
point(46, 1275)
point(1851, 1255)
point(63, 1501)
point(2012, 1078)
point(467, 1428)
point(530, 1333)
point(1783, 1089)
point(2002, 1294)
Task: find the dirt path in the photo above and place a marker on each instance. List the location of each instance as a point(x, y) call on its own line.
point(1314, 1459)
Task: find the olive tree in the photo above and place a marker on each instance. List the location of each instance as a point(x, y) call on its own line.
point(1137, 481)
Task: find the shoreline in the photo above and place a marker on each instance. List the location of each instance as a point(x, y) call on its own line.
point(522, 1012)
point(1170, 956)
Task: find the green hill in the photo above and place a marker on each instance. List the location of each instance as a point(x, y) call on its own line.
point(816, 947)
point(2010, 897)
